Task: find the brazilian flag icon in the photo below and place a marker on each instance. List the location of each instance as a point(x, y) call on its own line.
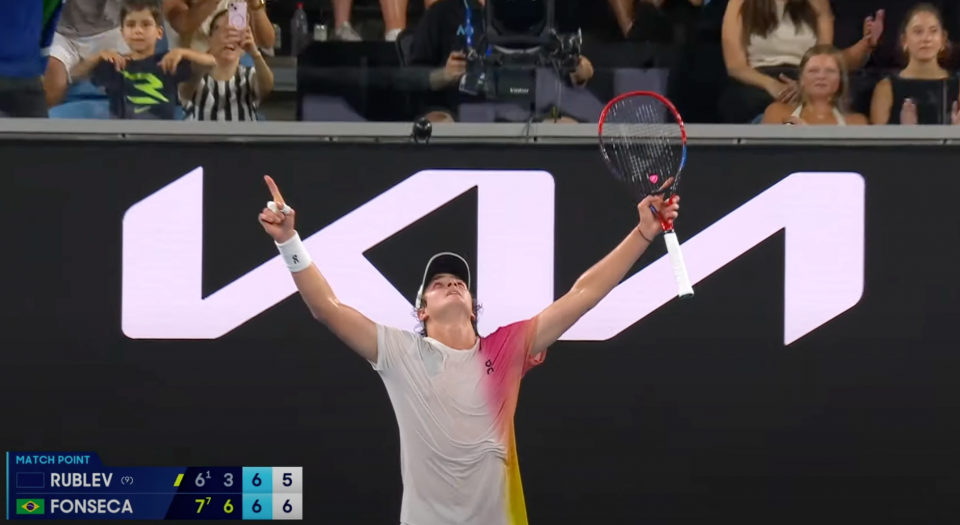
point(30, 506)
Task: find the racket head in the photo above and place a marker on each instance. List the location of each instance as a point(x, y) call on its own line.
point(643, 142)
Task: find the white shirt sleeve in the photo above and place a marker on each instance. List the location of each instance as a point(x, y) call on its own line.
point(392, 345)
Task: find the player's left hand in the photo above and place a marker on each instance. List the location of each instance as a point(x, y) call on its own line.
point(667, 212)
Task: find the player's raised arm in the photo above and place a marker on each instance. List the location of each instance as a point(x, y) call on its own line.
point(602, 277)
point(352, 327)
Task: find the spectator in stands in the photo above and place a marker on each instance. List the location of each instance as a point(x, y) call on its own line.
point(86, 28)
point(394, 19)
point(439, 43)
point(193, 19)
point(26, 32)
point(921, 92)
point(231, 91)
point(142, 84)
point(824, 90)
point(889, 53)
point(655, 20)
point(764, 39)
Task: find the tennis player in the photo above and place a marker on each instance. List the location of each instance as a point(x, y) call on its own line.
point(454, 392)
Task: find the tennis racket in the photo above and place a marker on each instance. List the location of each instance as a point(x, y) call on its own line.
point(644, 143)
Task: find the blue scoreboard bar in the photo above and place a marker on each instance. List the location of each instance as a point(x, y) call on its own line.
point(77, 485)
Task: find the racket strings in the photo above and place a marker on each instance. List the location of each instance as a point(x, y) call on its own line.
point(642, 141)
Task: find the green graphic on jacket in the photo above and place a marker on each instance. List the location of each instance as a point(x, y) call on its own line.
point(142, 90)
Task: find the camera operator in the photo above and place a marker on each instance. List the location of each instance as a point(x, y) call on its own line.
point(443, 40)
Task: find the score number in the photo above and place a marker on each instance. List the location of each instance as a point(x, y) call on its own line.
point(272, 493)
point(287, 480)
point(272, 506)
point(257, 508)
point(227, 507)
point(202, 480)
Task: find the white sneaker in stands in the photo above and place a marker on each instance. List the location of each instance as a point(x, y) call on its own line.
point(346, 33)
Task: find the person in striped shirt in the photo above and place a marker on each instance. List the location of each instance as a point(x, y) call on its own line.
point(230, 91)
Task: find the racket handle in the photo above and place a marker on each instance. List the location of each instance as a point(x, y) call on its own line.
point(679, 268)
point(664, 223)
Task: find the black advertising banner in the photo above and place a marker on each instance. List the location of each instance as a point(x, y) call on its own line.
point(814, 377)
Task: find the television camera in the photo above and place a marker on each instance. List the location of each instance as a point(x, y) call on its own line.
point(520, 37)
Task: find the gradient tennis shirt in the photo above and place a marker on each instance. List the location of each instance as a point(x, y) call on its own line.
point(455, 408)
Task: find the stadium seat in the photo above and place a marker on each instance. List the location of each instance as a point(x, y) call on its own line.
point(84, 90)
point(82, 109)
point(163, 45)
point(325, 108)
point(626, 80)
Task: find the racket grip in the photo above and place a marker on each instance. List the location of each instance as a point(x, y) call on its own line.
point(679, 268)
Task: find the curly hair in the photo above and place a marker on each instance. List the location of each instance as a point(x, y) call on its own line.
point(422, 326)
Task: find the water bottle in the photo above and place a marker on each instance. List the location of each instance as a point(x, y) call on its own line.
point(299, 31)
point(278, 42)
point(320, 33)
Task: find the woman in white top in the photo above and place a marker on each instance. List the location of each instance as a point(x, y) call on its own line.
point(230, 91)
point(765, 39)
point(824, 88)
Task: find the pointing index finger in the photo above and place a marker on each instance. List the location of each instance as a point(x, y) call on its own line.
point(277, 198)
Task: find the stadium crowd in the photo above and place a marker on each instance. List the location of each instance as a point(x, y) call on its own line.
point(813, 62)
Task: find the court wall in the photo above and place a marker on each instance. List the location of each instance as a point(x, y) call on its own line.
point(812, 379)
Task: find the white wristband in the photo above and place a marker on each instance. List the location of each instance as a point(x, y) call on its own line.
point(295, 254)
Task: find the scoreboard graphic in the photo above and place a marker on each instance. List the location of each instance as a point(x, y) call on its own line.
point(77, 485)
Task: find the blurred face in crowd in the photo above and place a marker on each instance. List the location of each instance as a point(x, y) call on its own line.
point(141, 32)
point(224, 40)
point(923, 38)
point(820, 77)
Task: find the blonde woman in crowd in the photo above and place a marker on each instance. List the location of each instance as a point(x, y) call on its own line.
point(763, 43)
point(823, 88)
